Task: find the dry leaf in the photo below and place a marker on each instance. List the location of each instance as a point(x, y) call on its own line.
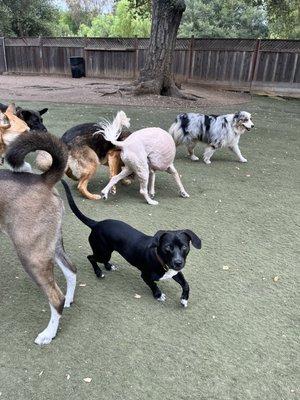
point(225, 267)
point(87, 380)
point(137, 296)
point(82, 284)
point(275, 278)
point(248, 176)
point(41, 373)
point(68, 376)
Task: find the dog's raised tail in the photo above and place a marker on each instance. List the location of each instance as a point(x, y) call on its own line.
point(112, 130)
point(86, 220)
point(28, 142)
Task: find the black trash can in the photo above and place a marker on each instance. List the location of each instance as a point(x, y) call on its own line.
point(77, 67)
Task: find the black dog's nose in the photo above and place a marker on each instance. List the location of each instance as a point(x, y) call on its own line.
point(178, 264)
point(252, 126)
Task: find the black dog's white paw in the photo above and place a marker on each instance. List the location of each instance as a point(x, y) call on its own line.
point(184, 303)
point(162, 297)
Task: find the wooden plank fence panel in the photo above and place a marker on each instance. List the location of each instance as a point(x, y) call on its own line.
point(226, 62)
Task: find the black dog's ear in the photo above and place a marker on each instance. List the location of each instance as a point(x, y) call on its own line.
point(196, 241)
point(156, 239)
point(23, 114)
point(43, 111)
point(236, 115)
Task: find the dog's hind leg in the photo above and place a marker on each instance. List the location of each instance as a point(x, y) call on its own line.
point(69, 271)
point(152, 184)
point(208, 152)
point(190, 147)
point(143, 177)
point(172, 170)
point(84, 180)
point(42, 274)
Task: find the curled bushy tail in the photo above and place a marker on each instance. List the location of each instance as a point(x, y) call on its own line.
point(112, 130)
point(28, 142)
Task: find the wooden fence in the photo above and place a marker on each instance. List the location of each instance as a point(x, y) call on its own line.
point(238, 64)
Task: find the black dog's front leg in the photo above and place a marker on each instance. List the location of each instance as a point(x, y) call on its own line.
point(157, 293)
point(179, 278)
point(97, 269)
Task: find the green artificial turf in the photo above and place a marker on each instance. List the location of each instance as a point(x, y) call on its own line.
point(239, 337)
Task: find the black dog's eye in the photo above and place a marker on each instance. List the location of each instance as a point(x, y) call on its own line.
point(184, 247)
point(167, 248)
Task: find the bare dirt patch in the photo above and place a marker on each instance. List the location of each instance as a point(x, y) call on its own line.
point(106, 92)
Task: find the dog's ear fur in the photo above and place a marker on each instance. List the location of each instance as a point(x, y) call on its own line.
point(196, 241)
point(156, 239)
point(12, 109)
point(43, 111)
point(236, 115)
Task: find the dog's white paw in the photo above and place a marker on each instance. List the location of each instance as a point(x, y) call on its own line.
point(207, 161)
point(43, 338)
point(243, 160)
point(104, 195)
point(152, 202)
point(184, 195)
point(184, 303)
point(194, 158)
point(162, 297)
point(68, 303)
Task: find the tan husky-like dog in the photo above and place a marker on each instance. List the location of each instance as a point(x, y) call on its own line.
point(31, 215)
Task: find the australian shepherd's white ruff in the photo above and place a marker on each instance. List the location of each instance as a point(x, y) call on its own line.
point(216, 130)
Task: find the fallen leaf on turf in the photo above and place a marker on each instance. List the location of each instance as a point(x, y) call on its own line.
point(88, 380)
point(41, 373)
point(225, 267)
point(82, 284)
point(248, 176)
point(137, 296)
point(68, 377)
point(275, 278)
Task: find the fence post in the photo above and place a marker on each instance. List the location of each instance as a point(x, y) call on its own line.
point(4, 54)
point(41, 54)
point(254, 64)
point(191, 56)
point(136, 58)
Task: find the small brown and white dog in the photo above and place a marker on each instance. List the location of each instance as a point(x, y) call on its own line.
point(143, 153)
point(11, 127)
point(31, 215)
point(216, 131)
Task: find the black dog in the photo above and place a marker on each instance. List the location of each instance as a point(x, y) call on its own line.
point(158, 257)
point(32, 118)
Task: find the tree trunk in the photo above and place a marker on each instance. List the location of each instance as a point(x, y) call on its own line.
point(156, 76)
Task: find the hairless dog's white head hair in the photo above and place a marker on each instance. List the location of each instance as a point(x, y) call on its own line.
point(112, 130)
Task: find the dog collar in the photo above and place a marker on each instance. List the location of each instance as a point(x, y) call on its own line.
point(164, 265)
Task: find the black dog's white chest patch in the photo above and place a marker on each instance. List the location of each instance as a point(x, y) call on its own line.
point(168, 275)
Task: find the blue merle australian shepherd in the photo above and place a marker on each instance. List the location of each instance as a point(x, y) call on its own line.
point(216, 130)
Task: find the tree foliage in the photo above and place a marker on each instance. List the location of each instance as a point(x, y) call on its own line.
point(124, 22)
point(219, 18)
point(27, 17)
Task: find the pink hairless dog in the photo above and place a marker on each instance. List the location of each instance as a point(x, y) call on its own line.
point(143, 153)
